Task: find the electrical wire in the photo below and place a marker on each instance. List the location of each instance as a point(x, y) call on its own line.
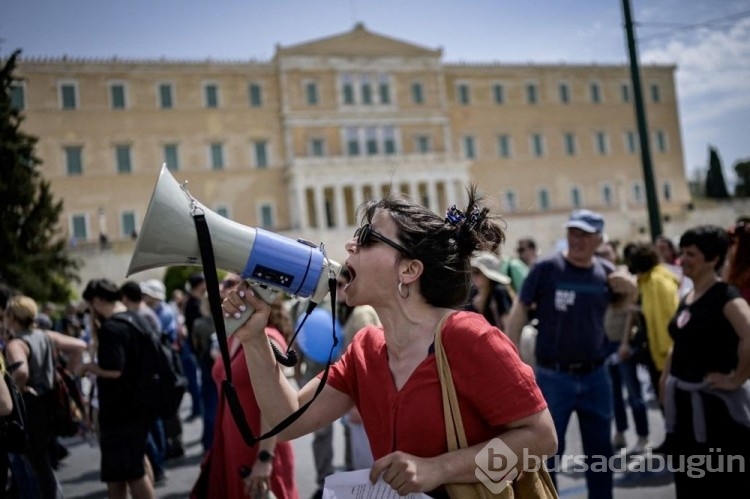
point(685, 27)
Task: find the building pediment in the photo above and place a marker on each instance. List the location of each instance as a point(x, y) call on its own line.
point(359, 42)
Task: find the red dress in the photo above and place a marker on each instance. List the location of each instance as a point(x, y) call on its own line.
point(229, 452)
point(494, 388)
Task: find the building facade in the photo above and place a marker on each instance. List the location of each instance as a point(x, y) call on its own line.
point(296, 143)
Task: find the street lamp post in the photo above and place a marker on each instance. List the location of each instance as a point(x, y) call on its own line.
point(648, 170)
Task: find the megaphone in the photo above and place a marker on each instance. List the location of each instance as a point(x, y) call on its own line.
point(269, 262)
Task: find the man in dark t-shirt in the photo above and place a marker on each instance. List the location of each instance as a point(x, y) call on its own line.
point(123, 428)
point(571, 292)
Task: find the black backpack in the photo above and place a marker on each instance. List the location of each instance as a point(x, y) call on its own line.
point(14, 435)
point(158, 377)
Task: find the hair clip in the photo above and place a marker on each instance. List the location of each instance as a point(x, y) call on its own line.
point(477, 216)
point(454, 216)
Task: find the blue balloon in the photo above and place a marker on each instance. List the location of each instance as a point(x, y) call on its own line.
point(315, 338)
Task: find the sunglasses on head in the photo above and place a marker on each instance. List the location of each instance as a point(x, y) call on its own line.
point(230, 283)
point(365, 235)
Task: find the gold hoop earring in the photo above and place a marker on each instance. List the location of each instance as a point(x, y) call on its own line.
point(400, 291)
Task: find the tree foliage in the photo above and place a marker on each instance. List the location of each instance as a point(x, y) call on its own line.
point(742, 169)
point(716, 186)
point(34, 258)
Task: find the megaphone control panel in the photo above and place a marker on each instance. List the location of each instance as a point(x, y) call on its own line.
point(272, 276)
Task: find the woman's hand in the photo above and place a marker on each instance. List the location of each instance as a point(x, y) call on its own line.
point(257, 482)
point(623, 351)
point(719, 381)
point(237, 302)
point(406, 473)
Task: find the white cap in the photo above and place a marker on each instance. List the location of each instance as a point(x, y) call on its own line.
point(154, 288)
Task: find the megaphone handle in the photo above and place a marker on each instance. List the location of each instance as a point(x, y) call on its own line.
point(268, 295)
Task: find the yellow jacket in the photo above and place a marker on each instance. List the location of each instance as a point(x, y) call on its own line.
point(658, 288)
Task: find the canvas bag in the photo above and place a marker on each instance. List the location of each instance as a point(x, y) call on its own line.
point(529, 485)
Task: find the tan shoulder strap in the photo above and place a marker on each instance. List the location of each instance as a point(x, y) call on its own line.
point(454, 426)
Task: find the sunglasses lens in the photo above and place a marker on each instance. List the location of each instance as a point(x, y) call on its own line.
point(363, 235)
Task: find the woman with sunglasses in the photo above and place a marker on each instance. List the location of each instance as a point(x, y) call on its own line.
point(413, 267)
point(738, 257)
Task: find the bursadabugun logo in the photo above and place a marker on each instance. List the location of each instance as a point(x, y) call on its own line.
point(496, 465)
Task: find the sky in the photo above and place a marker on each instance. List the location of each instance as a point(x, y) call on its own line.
point(708, 41)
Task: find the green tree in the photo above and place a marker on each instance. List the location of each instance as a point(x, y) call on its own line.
point(716, 186)
point(742, 168)
point(33, 259)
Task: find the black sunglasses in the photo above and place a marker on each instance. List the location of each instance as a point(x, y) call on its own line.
point(366, 234)
point(230, 283)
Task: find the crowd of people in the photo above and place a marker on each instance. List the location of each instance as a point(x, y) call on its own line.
point(608, 330)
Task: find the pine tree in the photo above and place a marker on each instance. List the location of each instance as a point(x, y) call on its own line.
point(716, 186)
point(742, 168)
point(33, 258)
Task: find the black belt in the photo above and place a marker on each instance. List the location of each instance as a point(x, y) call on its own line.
point(576, 368)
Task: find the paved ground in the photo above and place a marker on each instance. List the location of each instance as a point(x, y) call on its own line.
point(79, 473)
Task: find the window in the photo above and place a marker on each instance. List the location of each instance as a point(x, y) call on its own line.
point(504, 146)
point(68, 97)
point(596, 93)
point(498, 93)
point(631, 142)
point(464, 94)
point(255, 93)
point(123, 159)
point(371, 140)
point(511, 201)
point(667, 191)
point(575, 197)
point(469, 147)
point(79, 227)
point(537, 145)
point(570, 144)
point(17, 96)
point(352, 141)
point(389, 140)
point(260, 153)
point(311, 92)
point(166, 100)
point(655, 93)
point(74, 160)
point(117, 95)
point(602, 144)
point(423, 145)
point(366, 88)
point(347, 89)
point(317, 147)
point(266, 216)
point(638, 195)
point(211, 95)
point(625, 92)
point(216, 151)
point(531, 93)
point(384, 90)
point(127, 224)
point(661, 141)
point(607, 197)
point(564, 91)
point(417, 95)
point(171, 158)
point(543, 198)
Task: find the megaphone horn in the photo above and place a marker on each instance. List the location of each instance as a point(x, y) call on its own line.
point(271, 263)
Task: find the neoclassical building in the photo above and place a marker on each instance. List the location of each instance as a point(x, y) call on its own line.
point(294, 144)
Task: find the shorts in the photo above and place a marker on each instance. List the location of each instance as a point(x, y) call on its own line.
point(123, 449)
